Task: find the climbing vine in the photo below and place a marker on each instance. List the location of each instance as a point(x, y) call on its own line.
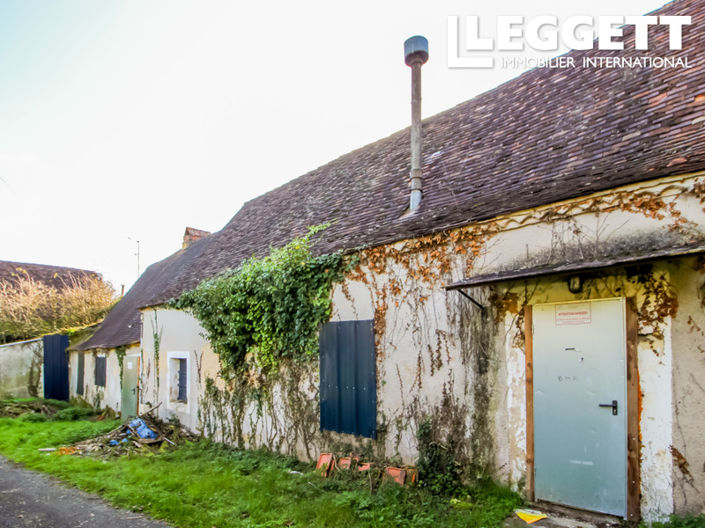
point(268, 308)
point(431, 338)
point(120, 353)
point(157, 337)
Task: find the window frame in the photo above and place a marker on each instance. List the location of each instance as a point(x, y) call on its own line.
point(174, 359)
point(100, 359)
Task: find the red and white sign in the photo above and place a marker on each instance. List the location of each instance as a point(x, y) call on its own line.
point(573, 314)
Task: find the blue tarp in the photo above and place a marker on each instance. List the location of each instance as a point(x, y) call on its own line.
point(141, 429)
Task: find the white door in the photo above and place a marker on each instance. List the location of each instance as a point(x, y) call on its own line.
point(580, 405)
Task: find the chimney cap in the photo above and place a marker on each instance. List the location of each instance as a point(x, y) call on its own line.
point(191, 234)
point(415, 50)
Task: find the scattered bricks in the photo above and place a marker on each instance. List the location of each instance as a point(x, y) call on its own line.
point(346, 462)
point(412, 475)
point(398, 475)
point(365, 466)
point(326, 463)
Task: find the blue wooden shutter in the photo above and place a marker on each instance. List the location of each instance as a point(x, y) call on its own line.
point(348, 389)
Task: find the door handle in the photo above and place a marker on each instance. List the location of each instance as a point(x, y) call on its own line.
point(613, 405)
point(133, 391)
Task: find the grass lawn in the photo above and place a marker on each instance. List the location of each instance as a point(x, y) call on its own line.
point(205, 485)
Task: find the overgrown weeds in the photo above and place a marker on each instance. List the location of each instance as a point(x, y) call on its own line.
point(203, 484)
point(689, 521)
point(41, 410)
point(439, 470)
point(31, 308)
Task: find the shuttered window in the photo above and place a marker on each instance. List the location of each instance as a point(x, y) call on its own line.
point(100, 364)
point(348, 388)
point(183, 372)
point(79, 374)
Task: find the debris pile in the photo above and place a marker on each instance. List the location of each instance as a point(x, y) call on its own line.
point(328, 464)
point(18, 407)
point(42, 410)
point(142, 434)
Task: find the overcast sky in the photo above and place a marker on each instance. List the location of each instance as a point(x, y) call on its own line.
point(135, 119)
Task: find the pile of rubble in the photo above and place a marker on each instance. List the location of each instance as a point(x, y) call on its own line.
point(328, 464)
point(142, 434)
point(15, 408)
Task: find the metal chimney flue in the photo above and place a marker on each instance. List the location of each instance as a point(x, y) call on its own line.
point(415, 56)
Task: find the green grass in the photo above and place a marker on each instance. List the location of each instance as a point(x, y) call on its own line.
point(682, 522)
point(205, 484)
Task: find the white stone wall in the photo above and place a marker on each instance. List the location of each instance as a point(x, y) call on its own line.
point(427, 338)
point(100, 397)
point(172, 334)
point(22, 369)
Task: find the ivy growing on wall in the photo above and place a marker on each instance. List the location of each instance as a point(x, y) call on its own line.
point(157, 338)
point(120, 352)
point(267, 309)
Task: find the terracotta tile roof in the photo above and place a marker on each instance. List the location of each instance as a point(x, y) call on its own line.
point(122, 325)
point(58, 277)
point(546, 136)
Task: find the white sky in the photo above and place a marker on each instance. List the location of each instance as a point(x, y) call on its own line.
point(137, 118)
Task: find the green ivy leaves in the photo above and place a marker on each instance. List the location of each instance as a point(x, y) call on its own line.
point(268, 308)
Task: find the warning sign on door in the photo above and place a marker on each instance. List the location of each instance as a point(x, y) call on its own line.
point(573, 314)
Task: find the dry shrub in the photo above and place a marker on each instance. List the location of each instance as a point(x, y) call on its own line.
point(29, 308)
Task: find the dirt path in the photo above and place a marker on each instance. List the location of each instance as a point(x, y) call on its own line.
point(33, 500)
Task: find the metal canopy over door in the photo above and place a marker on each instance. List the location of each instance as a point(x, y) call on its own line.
point(130, 375)
point(580, 405)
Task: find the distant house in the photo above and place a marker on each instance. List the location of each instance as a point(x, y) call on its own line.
point(58, 277)
point(22, 355)
point(543, 308)
point(36, 299)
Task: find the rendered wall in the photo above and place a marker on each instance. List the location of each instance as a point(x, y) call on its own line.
point(441, 359)
point(165, 332)
point(98, 396)
point(21, 369)
point(688, 401)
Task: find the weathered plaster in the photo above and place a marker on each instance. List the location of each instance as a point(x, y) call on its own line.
point(100, 397)
point(655, 364)
point(439, 357)
point(688, 401)
point(21, 369)
point(170, 333)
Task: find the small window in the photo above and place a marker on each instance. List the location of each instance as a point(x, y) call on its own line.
point(181, 396)
point(100, 367)
point(348, 378)
point(178, 377)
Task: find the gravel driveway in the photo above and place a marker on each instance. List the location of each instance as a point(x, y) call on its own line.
point(31, 499)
